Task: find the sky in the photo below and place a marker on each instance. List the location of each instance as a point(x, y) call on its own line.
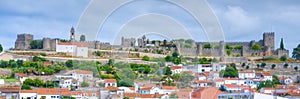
point(241, 20)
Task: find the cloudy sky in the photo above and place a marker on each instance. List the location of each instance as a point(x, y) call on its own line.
point(241, 20)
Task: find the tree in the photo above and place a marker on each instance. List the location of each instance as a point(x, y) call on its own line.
point(175, 54)
point(1, 48)
point(243, 64)
point(286, 65)
point(247, 67)
point(275, 79)
point(257, 65)
point(177, 61)
point(256, 47)
point(97, 53)
point(296, 52)
point(281, 44)
point(25, 87)
point(185, 79)
point(207, 46)
point(263, 64)
point(273, 66)
point(227, 46)
point(228, 52)
point(267, 83)
point(283, 58)
point(82, 38)
point(85, 84)
point(165, 43)
point(173, 95)
point(111, 62)
point(168, 58)
point(231, 71)
point(296, 68)
point(36, 44)
point(146, 58)
point(168, 71)
point(69, 63)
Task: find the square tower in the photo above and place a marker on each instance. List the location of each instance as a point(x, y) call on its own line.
point(268, 40)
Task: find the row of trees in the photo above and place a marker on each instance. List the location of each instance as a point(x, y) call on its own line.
point(28, 83)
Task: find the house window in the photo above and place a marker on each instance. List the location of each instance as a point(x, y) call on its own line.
point(44, 97)
point(53, 96)
point(94, 94)
point(113, 84)
point(57, 96)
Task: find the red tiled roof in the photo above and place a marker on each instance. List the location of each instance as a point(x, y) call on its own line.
point(110, 80)
point(53, 91)
point(206, 93)
point(10, 89)
point(83, 71)
point(112, 88)
point(206, 74)
point(47, 63)
point(78, 44)
point(21, 74)
point(146, 88)
point(28, 91)
point(203, 81)
point(90, 94)
point(247, 71)
point(169, 87)
point(176, 67)
point(267, 74)
point(131, 95)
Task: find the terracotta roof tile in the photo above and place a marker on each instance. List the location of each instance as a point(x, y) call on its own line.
point(176, 67)
point(10, 89)
point(53, 91)
point(78, 44)
point(21, 74)
point(110, 80)
point(169, 87)
point(82, 71)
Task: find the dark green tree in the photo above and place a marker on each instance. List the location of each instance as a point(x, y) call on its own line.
point(36, 44)
point(296, 68)
point(82, 38)
point(1, 48)
point(97, 53)
point(175, 54)
point(267, 84)
point(286, 65)
point(146, 58)
point(169, 58)
point(283, 58)
point(296, 52)
point(111, 62)
point(165, 43)
point(281, 44)
point(247, 67)
point(25, 87)
point(177, 60)
point(273, 66)
point(263, 64)
point(207, 45)
point(168, 71)
point(231, 71)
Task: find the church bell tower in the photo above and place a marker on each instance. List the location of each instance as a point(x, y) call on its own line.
point(72, 36)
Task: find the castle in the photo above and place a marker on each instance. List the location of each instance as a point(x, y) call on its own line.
point(261, 48)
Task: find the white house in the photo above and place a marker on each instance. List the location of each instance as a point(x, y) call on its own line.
point(82, 75)
point(27, 94)
point(247, 74)
point(235, 81)
point(176, 69)
point(85, 94)
point(110, 82)
point(73, 48)
point(218, 82)
point(156, 90)
point(203, 83)
point(204, 68)
point(52, 93)
point(21, 76)
point(264, 76)
point(68, 82)
point(169, 89)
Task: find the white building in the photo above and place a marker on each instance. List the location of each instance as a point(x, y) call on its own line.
point(82, 75)
point(28, 94)
point(73, 48)
point(176, 69)
point(110, 82)
point(204, 68)
point(52, 93)
point(247, 74)
point(21, 76)
point(68, 82)
point(235, 81)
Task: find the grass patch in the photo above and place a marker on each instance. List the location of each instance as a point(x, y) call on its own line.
point(11, 80)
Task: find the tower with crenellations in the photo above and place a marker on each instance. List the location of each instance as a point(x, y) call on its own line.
point(23, 41)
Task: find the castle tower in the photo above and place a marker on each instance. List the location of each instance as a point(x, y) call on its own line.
point(72, 36)
point(46, 43)
point(268, 40)
point(222, 48)
point(23, 41)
